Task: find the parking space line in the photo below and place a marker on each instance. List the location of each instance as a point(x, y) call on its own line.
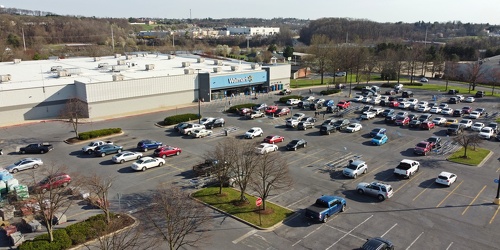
point(348, 233)
point(449, 245)
point(406, 183)
point(450, 194)
point(498, 170)
point(414, 241)
point(388, 230)
point(297, 202)
point(494, 215)
point(307, 235)
point(305, 156)
point(278, 195)
point(250, 233)
point(340, 230)
point(423, 191)
point(310, 164)
point(475, 198)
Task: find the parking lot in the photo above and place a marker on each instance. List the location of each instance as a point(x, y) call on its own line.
point(421, 214)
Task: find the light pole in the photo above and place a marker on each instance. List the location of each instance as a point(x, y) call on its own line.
point(199, 100)
point(497, 198)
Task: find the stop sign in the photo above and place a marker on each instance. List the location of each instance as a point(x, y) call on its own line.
point(258, 202)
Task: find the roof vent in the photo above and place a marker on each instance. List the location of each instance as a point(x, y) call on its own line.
point(235, 68)
point(255, 66)
point(117, 77)
point(150, 66)
point(55, 68)
point(17, 60)
point(103, 65)
point(218, 62)
point(200, 60)
point(120, 62)
point(186, 64)
point(217, 69)
point(97, 59)
point(128, 57)
point(171, 56)
point(118, 55)
point(5, 78)
point(118, 68)
point(188, 71)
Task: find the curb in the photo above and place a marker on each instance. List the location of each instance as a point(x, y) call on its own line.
point(244, 221)
point(136, 223)
point(485, 159)
point(93, 139)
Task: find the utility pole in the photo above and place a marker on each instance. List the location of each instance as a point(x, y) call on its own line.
point(24, 41)
point(199, 96)
point(112, 39)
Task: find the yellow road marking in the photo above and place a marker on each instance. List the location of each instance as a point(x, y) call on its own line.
point(498, 169)
point(305, 156)
point(73, 215)
point(475, 198)
point(495, 215)
point(406, 183)
point(307, 165)
point(423, 191)
point(450, 194)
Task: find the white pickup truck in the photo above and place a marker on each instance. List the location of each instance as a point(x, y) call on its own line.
point(89, 149)
point(407, 168)
point(191, 127)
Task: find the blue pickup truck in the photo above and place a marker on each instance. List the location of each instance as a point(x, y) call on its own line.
point(326, 206)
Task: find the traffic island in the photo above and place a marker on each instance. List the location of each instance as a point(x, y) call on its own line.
point(475, 157)
point(245, 211)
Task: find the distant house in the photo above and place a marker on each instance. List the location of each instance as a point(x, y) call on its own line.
point(149, 22)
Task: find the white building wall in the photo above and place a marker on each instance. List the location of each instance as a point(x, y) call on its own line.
point(280, 74)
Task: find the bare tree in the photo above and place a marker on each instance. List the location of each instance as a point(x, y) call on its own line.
point(50, 196)
point(73, 111)
point(271, 174)
point(319, 49)
point(176, 218)
point(495, 78)
point(473, 72)
point(466, 140)
point(98, 187)
point(450, 71)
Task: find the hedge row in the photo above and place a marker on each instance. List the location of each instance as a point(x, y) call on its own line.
point(391, 85)
point(284, 99)
point(329, 92)
point(98, 133)
point(235, 108)
point(171, 120)
point(72, 235)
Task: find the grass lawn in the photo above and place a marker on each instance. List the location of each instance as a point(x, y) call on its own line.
point(473, 157)
point(442, 88)
point(248, 212)
point(300, 83)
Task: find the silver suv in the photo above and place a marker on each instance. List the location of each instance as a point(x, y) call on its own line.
point(355, 168)
point(380, 190)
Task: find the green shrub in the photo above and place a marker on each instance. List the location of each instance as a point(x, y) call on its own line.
point(78, 232)
point(414, 84)
point(235, 108)
point(360, 87)
point(330, 91)
point(388, 85)
point(171, 120)
point(284, 99)
point(98, 133)
point(61, 241)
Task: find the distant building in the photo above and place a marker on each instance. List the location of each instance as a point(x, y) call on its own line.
point(253, 31)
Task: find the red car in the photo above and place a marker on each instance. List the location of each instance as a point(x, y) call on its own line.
point(282, 111)
point(53, 181)
point(271, 109)
point(274, 139)
point(427, 125)
point(344, 104)
point(422, 148)
point(403, 121)
point(167, 151)
point(245, 111)
point(394, 104)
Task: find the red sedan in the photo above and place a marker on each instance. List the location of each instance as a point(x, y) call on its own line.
point(167, 151)
point(274, 139)
point(282, 111)
point(427, 125)
point(394, 104)
point(271, 109)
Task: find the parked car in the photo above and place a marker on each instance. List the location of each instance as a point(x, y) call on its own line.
point(53, 181)
point(146, 163)
point(466, 110)
point(244, 111)
point(388, 112)
point(315, 106)
point(206, 120)
point(146, 145)
point(23, 164)
point(253, 132)
point(422, 148)
point(107, 149)
point(423, 79)
point(455, 129)
point(90, 148)
point(479, 94)
point(446, 178)
point(217, 122)
point(477, 126)
point(304, 124)
point(486, 133)
point(470, 99)
point(282, 111)
point(474, 115)
point(165, 151)
point(353, 127)
point(36, 148)
point(435, 141)
point(274, 139)
point(427, 125)
point(180, 126)
point(439, 120)
point(126, 156)
point(447, 111)
point(390, 119)
point(259, 107)
point(425, 117)
point(379, 139)
point(380, 190)
point(366, 108)
point(377, 131)
point(191, 127)
point(200, 133)
point(453, 92)
point(443, 105)
point(344, 104)
point(378, 243)
point(285, 92)
point(494, 126)
point(292, 101)
point(414, 124)
point(271, 110)
point(466, 123)
point(407, 168)
point(325, 207)
point(355, 168)
point(435, 110)
point(450, 121)
point(402, 120)
point(265, 148)
point(394, 104)
point(367, 115)
point(255, 114)
point(328, 103)
point(296, 143)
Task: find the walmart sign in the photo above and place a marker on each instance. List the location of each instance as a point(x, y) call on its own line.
point(229, 81)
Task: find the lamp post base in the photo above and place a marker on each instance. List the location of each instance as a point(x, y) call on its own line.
point(496, 201)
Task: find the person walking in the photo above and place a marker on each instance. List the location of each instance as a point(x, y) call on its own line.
point(310, 91)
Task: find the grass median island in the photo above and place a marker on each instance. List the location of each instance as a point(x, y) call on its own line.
point(229, 203)
point(474, 157)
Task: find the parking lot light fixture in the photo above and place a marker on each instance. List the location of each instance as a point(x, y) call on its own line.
point(199, 96)
point(497, 198)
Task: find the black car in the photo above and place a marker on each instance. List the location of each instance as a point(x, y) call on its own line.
point(341, 124)
point(414, 123)
point(180, 126)
point(425, 117)
point(217, 122)
point(453, 100)
point(315, 106)
point(455, 129)
point(458, 113)
point(390, 119)
point(452, 92)
point(407, 94)
point(367, 108)
point(378, 243)
point(388, 112)
point(413, 117)
point(479, 94)
point(327, 129)
point(295, 144)
point(331, 109)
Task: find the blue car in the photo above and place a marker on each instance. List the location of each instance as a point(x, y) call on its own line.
point(379, 139)
point(145, 145)
point(377, 131)
point(329, 103)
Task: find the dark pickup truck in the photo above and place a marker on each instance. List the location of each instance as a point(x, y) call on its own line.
point(36, 148)
point(324, 207)
point(206, 168)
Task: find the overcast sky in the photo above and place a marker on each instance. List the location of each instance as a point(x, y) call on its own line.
point(474, 11)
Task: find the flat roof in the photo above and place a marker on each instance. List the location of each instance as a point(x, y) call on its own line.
point(29, 74)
